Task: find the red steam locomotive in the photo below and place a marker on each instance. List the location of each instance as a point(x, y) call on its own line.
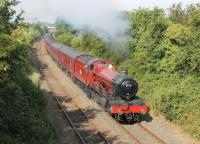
point(114, 91)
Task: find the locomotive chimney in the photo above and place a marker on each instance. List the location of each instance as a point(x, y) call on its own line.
point(125, 71)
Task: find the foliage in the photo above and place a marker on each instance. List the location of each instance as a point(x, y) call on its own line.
point(177, 14)
point(165, 62)
point(37, 30)
point(23, 118)
point(63, 33)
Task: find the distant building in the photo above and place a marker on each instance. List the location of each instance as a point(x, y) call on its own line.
point(51, 30)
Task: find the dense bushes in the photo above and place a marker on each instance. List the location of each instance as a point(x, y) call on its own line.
point(163, 57)
point(165, 63)
point(23, 118)
point(23, 113)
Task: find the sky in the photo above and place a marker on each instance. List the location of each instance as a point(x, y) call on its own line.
point(48, 10)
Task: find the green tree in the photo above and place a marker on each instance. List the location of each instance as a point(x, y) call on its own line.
point(177, 14)
point(148, 27)
point(76, 42)
point(23, 116)
point(164, 60)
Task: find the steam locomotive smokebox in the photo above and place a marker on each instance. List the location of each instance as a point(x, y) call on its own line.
point(124, 87)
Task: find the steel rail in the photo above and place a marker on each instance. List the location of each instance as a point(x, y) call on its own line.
point(36, 64)
point(151, 133)
point(51, 90)
point(130, 134)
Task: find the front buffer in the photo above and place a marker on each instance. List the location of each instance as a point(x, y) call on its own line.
point(128, 112)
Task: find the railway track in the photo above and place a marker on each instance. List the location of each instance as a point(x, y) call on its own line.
point(74, 120)
point(37, 65)
point(77, 119)
point(128, 129)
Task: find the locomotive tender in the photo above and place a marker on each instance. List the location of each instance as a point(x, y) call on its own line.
point(114, 91)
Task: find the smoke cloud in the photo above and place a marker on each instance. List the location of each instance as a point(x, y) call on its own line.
point(100, 16)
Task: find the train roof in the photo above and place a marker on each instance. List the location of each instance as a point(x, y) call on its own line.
point(69, 51)
point(65, 49)
point(55, 45)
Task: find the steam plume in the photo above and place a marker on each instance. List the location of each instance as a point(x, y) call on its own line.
point(100, 16)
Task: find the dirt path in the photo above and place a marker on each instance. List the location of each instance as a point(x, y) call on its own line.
point(111, 130)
